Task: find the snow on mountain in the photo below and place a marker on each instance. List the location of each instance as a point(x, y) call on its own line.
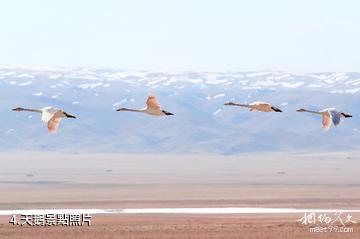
point(201, 122)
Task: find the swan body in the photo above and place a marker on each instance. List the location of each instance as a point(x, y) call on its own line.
point(257, 106)
point(329, 116)
point(50, 115)
point(152, 108)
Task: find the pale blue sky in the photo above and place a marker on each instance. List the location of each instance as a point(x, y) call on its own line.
point(213, 35)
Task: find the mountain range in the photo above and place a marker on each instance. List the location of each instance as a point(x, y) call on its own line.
point(201, 124)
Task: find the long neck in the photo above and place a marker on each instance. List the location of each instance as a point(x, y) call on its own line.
point(131, 110)
point(243, 105)
point(32, 110)
point(314, 112)
point(237, 104)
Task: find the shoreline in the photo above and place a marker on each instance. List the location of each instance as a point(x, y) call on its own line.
point(176, 211)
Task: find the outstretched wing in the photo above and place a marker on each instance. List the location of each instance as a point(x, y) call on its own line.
point(326, 120)
point(53, 124)
point(152, 103)
point(47, 113)
point(261, 106)
point(335, 117)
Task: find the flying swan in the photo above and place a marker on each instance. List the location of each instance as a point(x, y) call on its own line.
point(50, 115)
point(257, 105)
point(153, 108)
point(328, 115)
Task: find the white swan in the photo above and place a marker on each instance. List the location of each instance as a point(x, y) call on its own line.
point(50, 115)
point(153, 108)
point(328, 115)
point(257, 105)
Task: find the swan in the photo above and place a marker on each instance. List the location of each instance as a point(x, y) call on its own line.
point(152, 108)
point(257, 105)
point(329, 115)
point(50, 115)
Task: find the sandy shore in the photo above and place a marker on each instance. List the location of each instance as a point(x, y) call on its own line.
point(225, 226)
point(40, 181)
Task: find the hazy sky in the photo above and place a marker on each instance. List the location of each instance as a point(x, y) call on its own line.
point(214, 35)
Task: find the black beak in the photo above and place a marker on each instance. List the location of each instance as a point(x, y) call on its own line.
point(346, 115)
point(69, 115)
point(167, 113)
point(276, 109)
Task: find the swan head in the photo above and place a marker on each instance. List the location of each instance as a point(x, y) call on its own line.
point(300, 110)
point(167, 113)
point(69, 115)
point(18, 109)
point(346, 115)
point(276, 109)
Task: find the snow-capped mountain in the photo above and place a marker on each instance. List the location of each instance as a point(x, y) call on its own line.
point(201, 122)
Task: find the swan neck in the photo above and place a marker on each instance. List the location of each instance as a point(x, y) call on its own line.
point(33, 110)
point(314, 112)
point(131, 110)
point(241, 105)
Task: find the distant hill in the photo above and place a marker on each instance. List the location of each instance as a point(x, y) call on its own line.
point(201, 122)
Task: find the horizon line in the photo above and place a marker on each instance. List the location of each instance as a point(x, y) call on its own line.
point(35, 67)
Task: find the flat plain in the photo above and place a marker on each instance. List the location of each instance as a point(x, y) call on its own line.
point(34, 180)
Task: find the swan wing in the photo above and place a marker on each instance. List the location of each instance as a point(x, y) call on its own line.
point(261, 106)
point(326, 120)
point(152, 103)
point(48, 112)
point(258, 103)
point(335, 117)
point(53, 124)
